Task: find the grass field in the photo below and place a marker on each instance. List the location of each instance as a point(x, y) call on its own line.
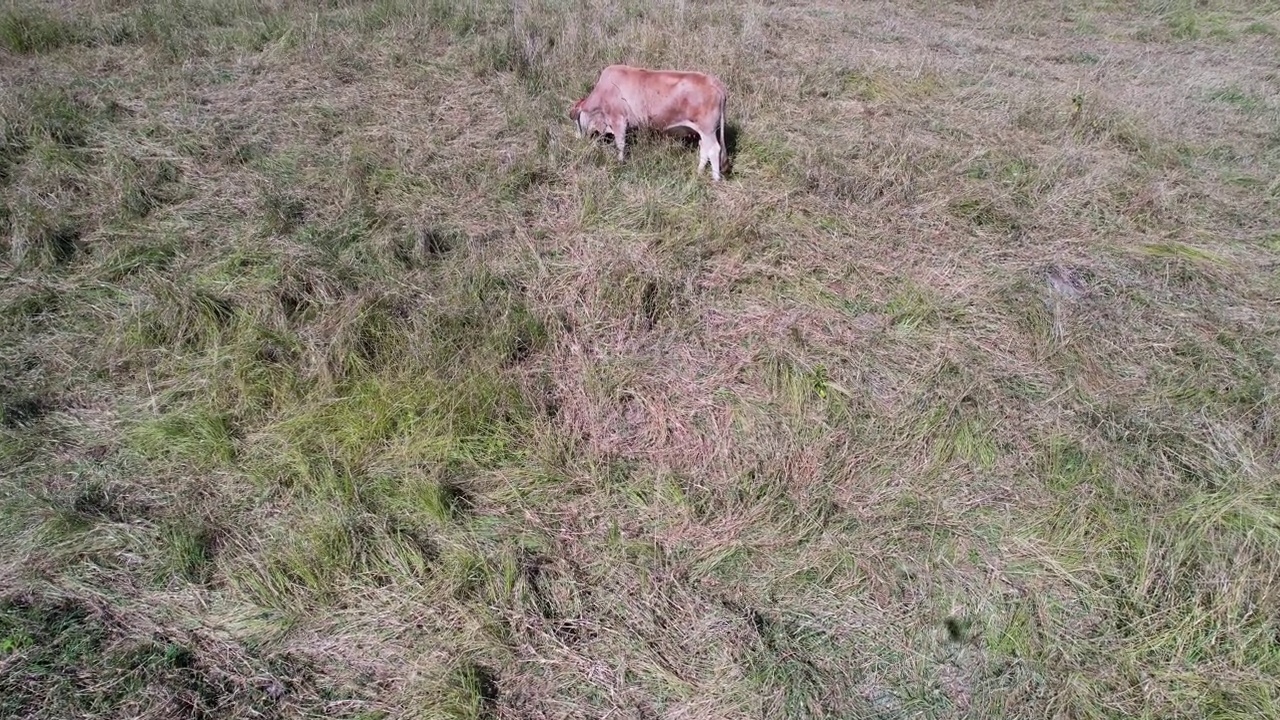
point(339, 379)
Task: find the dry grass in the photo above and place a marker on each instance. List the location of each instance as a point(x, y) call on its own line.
point(338, 379)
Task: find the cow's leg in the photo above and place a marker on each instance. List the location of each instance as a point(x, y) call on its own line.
point(619, 125)
point(709, 153)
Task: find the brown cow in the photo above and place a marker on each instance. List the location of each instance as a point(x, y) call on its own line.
point(664, 99)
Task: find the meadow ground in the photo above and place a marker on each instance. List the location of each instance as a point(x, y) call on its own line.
point(338, 379)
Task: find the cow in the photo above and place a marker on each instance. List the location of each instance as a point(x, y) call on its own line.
point(626, 96)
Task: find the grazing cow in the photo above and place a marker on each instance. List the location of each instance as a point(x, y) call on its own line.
point(664, 99)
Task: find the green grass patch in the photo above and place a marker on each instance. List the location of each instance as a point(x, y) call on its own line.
point(1084, 57)
point(183, 316)
point(961, 432)
point(200, 435)
point(50, 114)
point(1259, 27)
point(329, 553)
point(466, 693)
point(1235, 97)
point(871, 85)
point(1065, 464)
point(1190, 23)
point(28, 31)
point(986, 214)
point(189, 551)
point(146, 185)
point(64, 658)
point(475, 421)
point(915, 307)
point(1182, 251)
point(134, 256)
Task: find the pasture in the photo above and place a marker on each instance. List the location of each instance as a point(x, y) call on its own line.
point(339, 379)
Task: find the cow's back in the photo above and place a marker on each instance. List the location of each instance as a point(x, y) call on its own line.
point(662, 98)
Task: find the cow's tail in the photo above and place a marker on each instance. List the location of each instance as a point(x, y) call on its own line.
point(724, 147)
